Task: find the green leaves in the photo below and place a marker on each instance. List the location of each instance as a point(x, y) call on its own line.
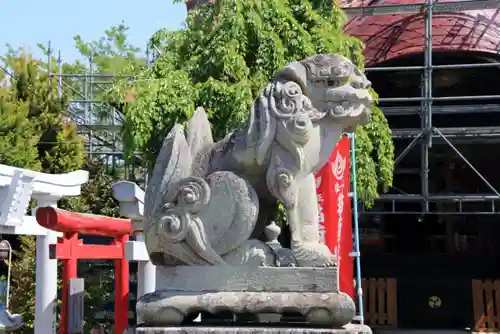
point(34, 133)
point(23, 281)
point(227, 52)
point(19, 138)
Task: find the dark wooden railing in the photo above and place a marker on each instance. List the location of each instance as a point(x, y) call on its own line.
point(380, 302)
point(486, 305)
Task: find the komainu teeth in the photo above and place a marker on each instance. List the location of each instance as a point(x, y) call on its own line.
point(339, 109)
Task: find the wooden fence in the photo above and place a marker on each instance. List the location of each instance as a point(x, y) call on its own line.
point(486, 305)
point(380, 302)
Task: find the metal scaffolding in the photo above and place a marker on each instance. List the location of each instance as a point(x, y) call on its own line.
point(427, 133)
point(97, 121)
point(102, 135)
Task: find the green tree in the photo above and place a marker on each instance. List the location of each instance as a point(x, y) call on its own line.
point(22, 300)
point(34, 136)
point(108, 57)
point(101, 61)
point(31, 119)
point(222, 58)
point(38, 134)
point(18, 144)
point(112, 54)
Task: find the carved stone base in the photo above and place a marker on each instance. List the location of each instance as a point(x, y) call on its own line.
point(348, 329)
point(247, 278)
point(243, 292)
point(172, 307)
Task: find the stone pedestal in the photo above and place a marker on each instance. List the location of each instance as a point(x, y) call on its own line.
point(349, 329)
point(247, 293)
point(329, 309)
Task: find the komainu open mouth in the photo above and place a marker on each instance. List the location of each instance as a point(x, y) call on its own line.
point(348, 104)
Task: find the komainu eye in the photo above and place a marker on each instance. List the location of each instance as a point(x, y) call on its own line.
point(320, 82)
point(333, 83)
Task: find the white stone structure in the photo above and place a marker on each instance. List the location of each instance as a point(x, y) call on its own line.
point(17, 187)
point(131, 199)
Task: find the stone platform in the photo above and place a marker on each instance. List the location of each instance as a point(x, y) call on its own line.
point(247, 278)
point(348, 329)
point(186, 290)
point(318, 308)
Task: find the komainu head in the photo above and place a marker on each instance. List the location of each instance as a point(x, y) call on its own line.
point(335, 88)
point(305, 99)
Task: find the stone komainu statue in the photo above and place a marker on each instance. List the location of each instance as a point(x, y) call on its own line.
point(207, 202)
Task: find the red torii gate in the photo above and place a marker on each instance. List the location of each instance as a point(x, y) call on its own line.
point(70, 249)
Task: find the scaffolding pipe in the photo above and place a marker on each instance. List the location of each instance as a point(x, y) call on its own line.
point(467, 131)
point(103, 82)
point(415, 213)
point(394, 68)
point(59, 77)
point(467, 161)
point(452, 6)
point(95, 75)
point(82, 96)
point(459, 66)
point(407, 149)
point(439, 198)
point(87, 101)
point(434, 67)
point(85, 96)
point(464, 98)
point(443, 110)
point(91, 89)
point(441, 98)
point(49, 64)
point(426, 117)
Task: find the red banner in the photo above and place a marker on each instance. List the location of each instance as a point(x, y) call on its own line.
point(335, 218)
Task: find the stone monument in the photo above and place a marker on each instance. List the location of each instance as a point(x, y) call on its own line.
point(208, 207)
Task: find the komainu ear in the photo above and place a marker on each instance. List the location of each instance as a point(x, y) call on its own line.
point(295, 72)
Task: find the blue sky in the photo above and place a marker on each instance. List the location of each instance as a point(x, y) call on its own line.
point(28, 22)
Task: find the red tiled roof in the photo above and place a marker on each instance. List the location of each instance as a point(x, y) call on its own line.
point(392, 36)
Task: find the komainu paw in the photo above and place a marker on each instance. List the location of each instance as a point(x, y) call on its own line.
point(313, 255)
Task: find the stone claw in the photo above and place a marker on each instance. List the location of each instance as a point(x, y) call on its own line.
point(313, 254)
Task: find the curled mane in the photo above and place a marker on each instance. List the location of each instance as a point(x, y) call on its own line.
point(273, 120)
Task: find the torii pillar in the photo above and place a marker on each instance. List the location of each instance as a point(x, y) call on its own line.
point(17, 187)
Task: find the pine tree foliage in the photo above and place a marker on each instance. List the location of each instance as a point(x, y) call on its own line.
point(36, 134)
point(225, 54)
point(23, 282)
point(18, 135)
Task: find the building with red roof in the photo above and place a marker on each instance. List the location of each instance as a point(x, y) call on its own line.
point(431, 242)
